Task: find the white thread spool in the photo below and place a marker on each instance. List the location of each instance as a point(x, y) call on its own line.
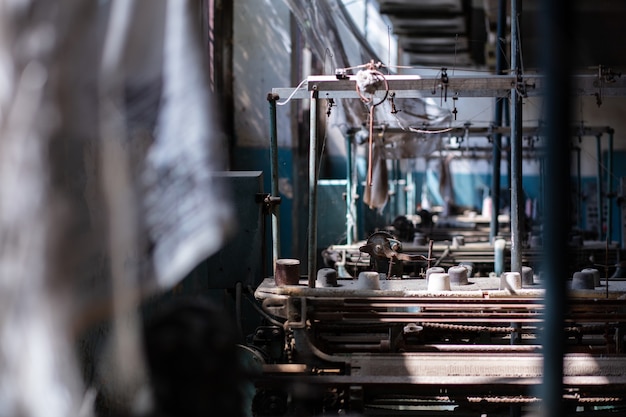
point(434, 270)
point(439, 281)
point(596, 275)
point(458, 275)
point(527, 276)
point(326, 277)
point(583, 281)
point(511, 281)
point(368, 280)
point(499, 246)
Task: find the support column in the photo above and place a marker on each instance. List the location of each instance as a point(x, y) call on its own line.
point(599, 184)
point(312, 241)
point(556, 57)
point(497, 138)
point(517, 224)
point(609, 190)
point(350, 220)
point(275, 208)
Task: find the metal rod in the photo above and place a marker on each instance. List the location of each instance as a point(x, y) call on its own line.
point(495, 175)
point(609, 190)
point(349, 217)
point(579, 189)
point(497, 139)
point(410, 186)
point(414, 86)
point(275, 208)
point(312, 251)
point(599, 182)
point(516, 146)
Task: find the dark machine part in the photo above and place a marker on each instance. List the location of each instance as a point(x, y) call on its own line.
point(404, 228)
point(386, 254)
point(270, 340)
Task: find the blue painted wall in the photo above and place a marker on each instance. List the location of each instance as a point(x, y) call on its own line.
point(469, 192)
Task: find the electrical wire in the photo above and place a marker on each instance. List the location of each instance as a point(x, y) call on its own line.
point(295, 90)
point(261, 311)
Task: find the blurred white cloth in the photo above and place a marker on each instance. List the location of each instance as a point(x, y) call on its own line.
point(108, 143)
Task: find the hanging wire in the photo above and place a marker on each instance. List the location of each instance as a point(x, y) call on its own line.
point(604, 168)
point(369, 156)
point(327, 53)
point(319, 165)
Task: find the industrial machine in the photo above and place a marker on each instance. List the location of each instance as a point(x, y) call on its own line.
point(414, 346)
point(428, 328)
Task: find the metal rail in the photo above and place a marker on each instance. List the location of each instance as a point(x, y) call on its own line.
point(414, 86)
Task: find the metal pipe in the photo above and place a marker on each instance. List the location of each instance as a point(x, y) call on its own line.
point(579, 189)
point(312, 242)
point(410, 187)
point(397, 188)
point(495, 175)
point(497, 139)
point(275, 208)
point(349, 217)
point(599, 182)
point(609, 190)
point(517, 212)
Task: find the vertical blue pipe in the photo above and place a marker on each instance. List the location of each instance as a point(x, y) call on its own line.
point(275, 208)
point(599, 186)
point(312, 252)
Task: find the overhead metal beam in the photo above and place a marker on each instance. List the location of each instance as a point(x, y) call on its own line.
point(414, 86)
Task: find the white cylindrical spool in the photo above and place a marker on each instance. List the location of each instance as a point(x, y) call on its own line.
point(439, 281)
point(511, 281)
point(527, 276)
point(583, 281)
point(326, 277)
point(458, 275)
point(596, 275)
point(470, 268)
point(499, 245)
point(433, 270)
point(368, 280)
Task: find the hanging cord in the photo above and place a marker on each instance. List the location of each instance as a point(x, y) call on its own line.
point(367, 81)
point(369, 156)
point(293, 93)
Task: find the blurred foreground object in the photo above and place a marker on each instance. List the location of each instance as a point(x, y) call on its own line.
point(107, 148)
